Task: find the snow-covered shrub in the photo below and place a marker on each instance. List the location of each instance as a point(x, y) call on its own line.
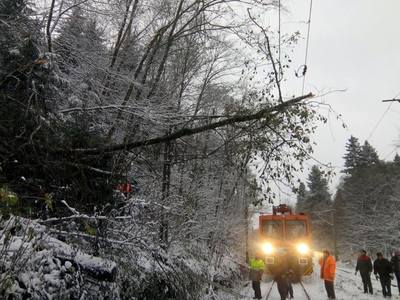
point(34, 265)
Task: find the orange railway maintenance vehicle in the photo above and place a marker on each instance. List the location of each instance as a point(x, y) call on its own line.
point(284, 235)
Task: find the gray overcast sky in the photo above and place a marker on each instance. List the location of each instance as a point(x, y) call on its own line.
point(354, 45)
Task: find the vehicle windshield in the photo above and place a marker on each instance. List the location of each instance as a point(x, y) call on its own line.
point(295, 229)
point(272, 229)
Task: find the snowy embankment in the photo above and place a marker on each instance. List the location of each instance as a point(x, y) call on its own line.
point(37, 263)
point(34, 265)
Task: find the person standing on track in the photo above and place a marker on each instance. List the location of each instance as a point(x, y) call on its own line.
point(282, 277)
point(395, 261)
point(383, 267)
point(328, 271)
point(364, 265)
point(257, 267)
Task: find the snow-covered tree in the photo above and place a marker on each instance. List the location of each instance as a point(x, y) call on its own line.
point(301, 196)
point(352, 156)
point(317, 204)
point(366, 208)
point(368, 155)
point(317, 183)
point(396, 159)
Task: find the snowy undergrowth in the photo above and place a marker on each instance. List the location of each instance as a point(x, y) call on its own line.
point(178, 273)
point(35, 265)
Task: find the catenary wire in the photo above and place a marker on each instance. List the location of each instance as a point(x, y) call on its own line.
point(379, 121)
point(279, 33)
point(307, 46)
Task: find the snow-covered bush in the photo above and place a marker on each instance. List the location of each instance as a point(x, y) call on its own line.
point(34, 265)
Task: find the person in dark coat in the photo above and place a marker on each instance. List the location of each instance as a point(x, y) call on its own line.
point(283, 277)
point(364, 266)
point(290, 276)
point(395, 261)
point(383, 268)
point(257, 267)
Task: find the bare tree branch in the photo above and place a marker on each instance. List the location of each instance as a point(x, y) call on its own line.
point(278, 84)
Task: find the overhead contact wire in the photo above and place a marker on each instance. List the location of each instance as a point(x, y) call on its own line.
point(279, 36)
point(307, 46)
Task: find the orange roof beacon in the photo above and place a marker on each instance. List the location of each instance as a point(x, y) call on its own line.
point(286, 237)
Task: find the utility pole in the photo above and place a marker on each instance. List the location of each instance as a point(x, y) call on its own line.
point(335, 249)
point(336, 208)
point(391, 100)
point(246, 217)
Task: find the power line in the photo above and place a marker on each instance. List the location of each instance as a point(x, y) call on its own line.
point(384, 114)
point(279, 33)
point(390, 153)
point(379, 122)
point(391, 102)
point(307, 45)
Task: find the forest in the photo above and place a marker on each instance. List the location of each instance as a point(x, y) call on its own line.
point(173, 99)
point(137, 138)
point(363, 213)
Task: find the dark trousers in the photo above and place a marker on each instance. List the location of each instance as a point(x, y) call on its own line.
point(385, 283)
point(366, 280)
point(257, 289)
point(330, 290)
point(290, 288)
point(282, 285)
point(397, 273)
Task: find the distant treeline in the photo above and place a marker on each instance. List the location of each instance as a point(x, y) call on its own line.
point(364, 213)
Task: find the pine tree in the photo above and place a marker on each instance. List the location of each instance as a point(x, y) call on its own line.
point(368, 155)
point(83, 62)
point(30, 96)
point(352, 156)
point(301, 193)
point(79, 42)
point(23, 107)
point(301, 196)
point(317, 204)
point(317, 184)
point(396, 159)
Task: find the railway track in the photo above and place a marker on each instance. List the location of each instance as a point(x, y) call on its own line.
point(301, 284)
point(270, 290)
point(305, 291)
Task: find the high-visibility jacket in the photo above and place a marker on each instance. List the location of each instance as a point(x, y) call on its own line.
point(328, 268)
point(257, 264)
point(257, 267)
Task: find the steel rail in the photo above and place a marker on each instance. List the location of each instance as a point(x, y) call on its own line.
point(270, 290)
point(305, 291)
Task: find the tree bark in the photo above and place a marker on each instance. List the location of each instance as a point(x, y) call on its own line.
point(48, 33)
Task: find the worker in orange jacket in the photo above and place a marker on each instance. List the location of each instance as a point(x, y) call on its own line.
point(328, 271)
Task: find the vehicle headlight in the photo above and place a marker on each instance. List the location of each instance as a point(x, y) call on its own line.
point(303, 248)
point(268, 248)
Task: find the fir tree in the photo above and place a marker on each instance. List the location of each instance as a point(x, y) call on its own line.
point(301, 197)
point(30, 96)
point(352, 156)
point(317, 203)
point(317, 184)
point(23, 106)
point(80, 41)
point(301, 194)
point(396, 159)
point(368, 155)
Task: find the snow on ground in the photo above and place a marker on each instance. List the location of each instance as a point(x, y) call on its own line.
point(347, 287)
